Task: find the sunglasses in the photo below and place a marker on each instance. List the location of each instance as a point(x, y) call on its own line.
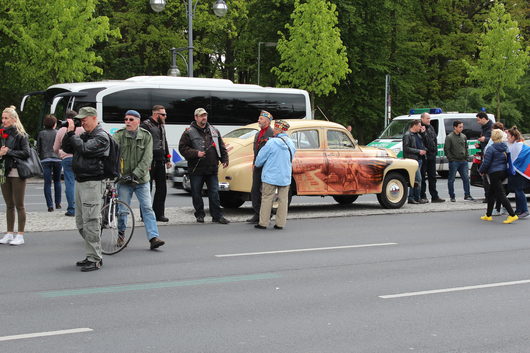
point(129, 119)
point(163, 114)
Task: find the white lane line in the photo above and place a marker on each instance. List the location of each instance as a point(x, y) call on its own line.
point(304, 250)
point(455, 289)
point(44, 334)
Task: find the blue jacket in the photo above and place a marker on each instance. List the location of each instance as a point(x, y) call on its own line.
point(495, 159)
point(276, 160)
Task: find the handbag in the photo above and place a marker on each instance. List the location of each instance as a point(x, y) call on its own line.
point(30, 167)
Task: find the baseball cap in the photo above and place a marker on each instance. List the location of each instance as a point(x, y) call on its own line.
point(86, 111)
point(200, 111)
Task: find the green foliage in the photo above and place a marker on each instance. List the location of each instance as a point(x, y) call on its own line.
point(503, 60)
point(313, 56)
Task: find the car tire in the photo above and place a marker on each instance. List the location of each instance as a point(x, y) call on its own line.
point(231, 199)
point(395, 191)
point(345, 199)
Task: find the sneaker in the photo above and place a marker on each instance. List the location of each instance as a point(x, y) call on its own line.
point(523, 214)
point(437, 200)
point(508, 220)
point(221, 220)
point(68, 214)
point(18, 240)
point(58, 207)
point(162, 219)
point(92, 266)
point(156, 243)
point(503, 211)
point(121, 239)
point(200, 219)
point(82, 262)
point(277, 227)
point(414, 202)
point(50, 209)
point(469, 198)
point(424, 200)
point(486, 218)
point(258, 226)
point(496, 213)
point(8, 238)
point(453, 199)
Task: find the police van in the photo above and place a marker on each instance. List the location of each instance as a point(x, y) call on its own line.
point(391, 137)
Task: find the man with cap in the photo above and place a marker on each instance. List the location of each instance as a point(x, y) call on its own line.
point(136, 145)
point(276, 159)
point(266, 132)
point(88, 149)
point(202, 146)
point(155, 124)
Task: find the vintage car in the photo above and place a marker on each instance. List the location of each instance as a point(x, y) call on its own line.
point(328, 161)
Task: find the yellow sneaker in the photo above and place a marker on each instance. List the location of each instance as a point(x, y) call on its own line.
point(510, 219)
point(486, 218)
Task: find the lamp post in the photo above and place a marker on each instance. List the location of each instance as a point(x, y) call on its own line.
point(267, 44)
point(219, 8)
point(174, 70)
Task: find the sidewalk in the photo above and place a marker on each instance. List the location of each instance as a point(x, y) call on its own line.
point(53, 221)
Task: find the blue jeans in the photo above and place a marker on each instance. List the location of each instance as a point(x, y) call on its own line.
point(197, 181)
point(143, 194)
point(52, 172)
point(69, 184)
point(517, 183)
point(414, 193)
point(463, 169)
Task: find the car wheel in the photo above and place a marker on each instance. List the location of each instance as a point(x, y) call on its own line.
point(394, 192)
point(345, 199)
point(231, 199)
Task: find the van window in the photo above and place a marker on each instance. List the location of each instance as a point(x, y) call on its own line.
point(472, 129)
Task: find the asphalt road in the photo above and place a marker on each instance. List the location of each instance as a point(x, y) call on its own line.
point(437, 282)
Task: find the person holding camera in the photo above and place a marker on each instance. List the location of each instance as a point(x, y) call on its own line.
point(136, 146)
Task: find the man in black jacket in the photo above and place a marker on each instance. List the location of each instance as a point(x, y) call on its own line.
point(161, 159)
point(202, 146)
point(428, 167)
point(88, 149)
point(266, 132)
point(413, 148)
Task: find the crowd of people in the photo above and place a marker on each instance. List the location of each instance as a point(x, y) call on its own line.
point(500, 149)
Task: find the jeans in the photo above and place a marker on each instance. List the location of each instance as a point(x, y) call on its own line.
point(517, 183)
point(52, 172)
point(428, 172)
point(463, 169)
point(143, 194)
point(69, 184)
point(414, 193)
point(197, 181)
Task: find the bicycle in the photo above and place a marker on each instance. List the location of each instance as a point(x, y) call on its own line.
point(113, 218)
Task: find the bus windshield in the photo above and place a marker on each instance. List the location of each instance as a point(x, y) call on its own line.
point(395, 130)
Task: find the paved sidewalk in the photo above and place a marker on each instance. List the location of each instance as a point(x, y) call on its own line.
point(50, 221)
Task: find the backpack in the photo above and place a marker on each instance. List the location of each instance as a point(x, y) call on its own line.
point(111, 164)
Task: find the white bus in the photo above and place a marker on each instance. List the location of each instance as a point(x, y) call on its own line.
point(229, 105)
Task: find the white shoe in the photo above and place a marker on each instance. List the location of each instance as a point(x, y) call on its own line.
point(8, 238)
point(496, 213)
point(18, 240)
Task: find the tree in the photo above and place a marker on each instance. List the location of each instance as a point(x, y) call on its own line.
point(502, 60)
point(313, 57)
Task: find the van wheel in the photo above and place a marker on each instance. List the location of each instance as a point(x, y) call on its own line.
point(345, 199)
point(231, 199)
point(394, 192)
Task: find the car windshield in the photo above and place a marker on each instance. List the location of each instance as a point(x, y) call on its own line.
point(395, 130)
point(244, 133)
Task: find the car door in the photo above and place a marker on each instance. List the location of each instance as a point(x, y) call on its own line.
point(309, 164)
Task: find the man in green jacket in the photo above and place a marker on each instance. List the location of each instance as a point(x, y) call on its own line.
point(455, 149)
point(136, 149)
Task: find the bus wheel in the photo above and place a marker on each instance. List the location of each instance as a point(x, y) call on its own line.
point(345, 199)
point(394, 192)
point(231, 199)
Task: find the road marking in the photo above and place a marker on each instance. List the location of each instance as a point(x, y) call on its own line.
point(455, 289)
point(44, 334)
point(157, 285)
point(305, 250)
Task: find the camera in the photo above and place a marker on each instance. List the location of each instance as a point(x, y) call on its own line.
point(64, 123)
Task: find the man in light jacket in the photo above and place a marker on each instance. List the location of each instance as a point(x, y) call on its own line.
point(276, 159)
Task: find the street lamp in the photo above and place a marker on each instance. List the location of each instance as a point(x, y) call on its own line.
point(219, 8)
point(267, 44)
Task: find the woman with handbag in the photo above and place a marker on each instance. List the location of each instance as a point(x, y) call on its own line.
point(14, 147)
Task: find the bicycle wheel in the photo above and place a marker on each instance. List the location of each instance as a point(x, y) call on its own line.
point(112, 240)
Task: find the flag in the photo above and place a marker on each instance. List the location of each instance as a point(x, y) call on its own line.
point(522, 163)
point(176, 157)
